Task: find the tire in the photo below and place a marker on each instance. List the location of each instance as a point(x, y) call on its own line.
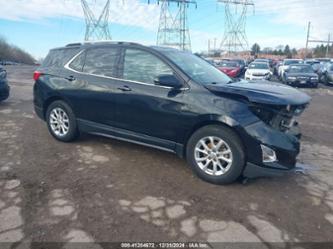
point(70, 122)
point(233, 169)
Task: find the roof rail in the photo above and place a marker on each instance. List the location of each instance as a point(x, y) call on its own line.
point(110, 42)
point(74, 44)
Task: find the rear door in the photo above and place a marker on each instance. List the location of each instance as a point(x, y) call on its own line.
point(142, 106)
point(92, 75)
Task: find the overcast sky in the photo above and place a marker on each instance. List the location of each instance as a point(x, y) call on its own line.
point(38, 25)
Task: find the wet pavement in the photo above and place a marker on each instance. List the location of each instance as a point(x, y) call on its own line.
point(102, 190)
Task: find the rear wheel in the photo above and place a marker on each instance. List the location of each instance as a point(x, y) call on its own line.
point(61, 121)
point(216, 154)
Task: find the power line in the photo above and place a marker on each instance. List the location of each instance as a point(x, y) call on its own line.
point(96, 28)
point(173, 29)
point(235, 39)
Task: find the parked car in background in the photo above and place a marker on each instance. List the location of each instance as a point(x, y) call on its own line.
point(230, 68)
point(286, 63)
point(268, 61)
point(311, 62)
point(300, 75)
point(324, 60)
point(242, 64)
point(4, 88)
point(327, 75)
point(171, 100)
point(258, 71)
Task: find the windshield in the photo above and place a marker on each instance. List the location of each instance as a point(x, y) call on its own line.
point(261, 60)
point(289, 62)
point(258, 66)
point(301, 69)
point(228, 64)
point(196, 68)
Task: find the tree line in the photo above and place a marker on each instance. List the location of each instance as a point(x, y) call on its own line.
point(318, 52)
point(283, 51)
point(9, 52)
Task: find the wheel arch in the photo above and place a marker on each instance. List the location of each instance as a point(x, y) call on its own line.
point(50, 100)
point(223, 121)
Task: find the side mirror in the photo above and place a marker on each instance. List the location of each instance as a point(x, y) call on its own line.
point(168, 80)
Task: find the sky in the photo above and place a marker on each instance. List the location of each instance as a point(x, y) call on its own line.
point(39, 25)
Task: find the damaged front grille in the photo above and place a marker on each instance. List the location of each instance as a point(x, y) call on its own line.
point(282, 118)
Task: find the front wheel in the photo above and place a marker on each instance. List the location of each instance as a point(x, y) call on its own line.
point(61, 121)
point(216, 154)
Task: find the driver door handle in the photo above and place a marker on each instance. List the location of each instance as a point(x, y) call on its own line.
point(125, 88)
point(70, 78)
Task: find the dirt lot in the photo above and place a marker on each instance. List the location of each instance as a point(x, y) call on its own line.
point(100, 190)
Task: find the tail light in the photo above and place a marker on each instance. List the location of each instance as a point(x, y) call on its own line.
point(37, 74)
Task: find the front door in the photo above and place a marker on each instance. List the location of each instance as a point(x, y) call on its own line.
point(142, 106)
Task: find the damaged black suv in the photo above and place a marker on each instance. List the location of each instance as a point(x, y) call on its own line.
point(174, 101)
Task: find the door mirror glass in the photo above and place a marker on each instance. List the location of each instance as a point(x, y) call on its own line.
point(168, 80)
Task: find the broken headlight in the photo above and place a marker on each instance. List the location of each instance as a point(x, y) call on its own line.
point(281, 118)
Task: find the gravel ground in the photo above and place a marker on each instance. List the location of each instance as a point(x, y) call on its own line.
point(102, 190)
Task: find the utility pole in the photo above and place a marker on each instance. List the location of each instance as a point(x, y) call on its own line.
point(215, 39)
point(307, 40)
point(96, 28)
point(173, 28)
point(328, 44)
point(235, 38)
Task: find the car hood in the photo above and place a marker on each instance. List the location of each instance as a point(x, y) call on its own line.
point(302, 74)
point(262, 92)
point(228, 68)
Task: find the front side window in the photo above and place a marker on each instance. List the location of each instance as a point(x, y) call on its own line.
point(102, 61)
point(196, 68)
point(143, 67)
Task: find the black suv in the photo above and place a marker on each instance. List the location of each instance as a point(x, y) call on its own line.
point(174, 101)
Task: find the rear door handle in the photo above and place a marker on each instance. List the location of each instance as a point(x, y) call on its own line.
point(125, 88)
point(70, 78)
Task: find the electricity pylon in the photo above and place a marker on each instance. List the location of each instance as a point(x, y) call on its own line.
point(96, 28)
point(173, 30)
point(235, 39)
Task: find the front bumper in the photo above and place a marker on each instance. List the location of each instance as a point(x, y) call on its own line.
point(286, 146)
point(4, 90)
point(298, 83)
point(255, 171)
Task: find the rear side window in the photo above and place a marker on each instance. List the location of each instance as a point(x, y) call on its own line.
point(78, 63)
point(59, 57)
point(102, 61)
point(143, 67)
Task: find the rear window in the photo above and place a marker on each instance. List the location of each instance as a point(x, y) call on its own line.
point(59, 57)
